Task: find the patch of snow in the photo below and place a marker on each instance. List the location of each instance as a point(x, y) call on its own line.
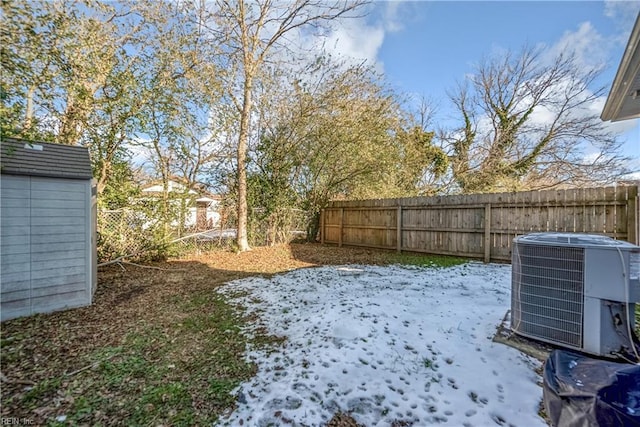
point(387, 343)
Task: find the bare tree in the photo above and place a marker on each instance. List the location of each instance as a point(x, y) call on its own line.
point(424, 112)
point(528, 124)
point(251, 31)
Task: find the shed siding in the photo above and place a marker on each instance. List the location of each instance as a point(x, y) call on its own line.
point(15, 257)
point(45, 244)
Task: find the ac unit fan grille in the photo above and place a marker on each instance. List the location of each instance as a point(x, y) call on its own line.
point(547, 293)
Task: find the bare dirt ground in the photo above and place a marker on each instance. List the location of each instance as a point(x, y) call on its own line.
point(159, 346)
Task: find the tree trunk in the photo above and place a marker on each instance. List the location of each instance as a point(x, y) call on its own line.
point(28, 120)
point(103, 176)
point(313, 226)
point(165, 201)
point(241, 237)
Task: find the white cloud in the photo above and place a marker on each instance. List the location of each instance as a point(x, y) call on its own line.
point(358, 41)
point(393, 15)
point(590, 48)
point(542, 116)
point(353, 40)
point(593, 50)
point(633, 176)
point(623, 12)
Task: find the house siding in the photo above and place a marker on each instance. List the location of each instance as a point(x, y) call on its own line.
point(45, 244)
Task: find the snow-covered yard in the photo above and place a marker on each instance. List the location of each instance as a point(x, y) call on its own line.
point(387, 344)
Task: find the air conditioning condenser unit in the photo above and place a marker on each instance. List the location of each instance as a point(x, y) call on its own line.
point(576, 291)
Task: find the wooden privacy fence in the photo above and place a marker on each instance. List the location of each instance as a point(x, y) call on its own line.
point(480, 225)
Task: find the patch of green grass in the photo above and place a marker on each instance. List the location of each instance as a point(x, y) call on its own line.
point(430, 364)
point(40, 390)
point(220, 390)
point(84, 406)
point(147, 339)
point(217, 313)
point(170, 401)
point(425, 260)
point(194, 301)
point(6, 341)
point(178, 373)
point(128, 368)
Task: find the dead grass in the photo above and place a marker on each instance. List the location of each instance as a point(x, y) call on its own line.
point(157, 347)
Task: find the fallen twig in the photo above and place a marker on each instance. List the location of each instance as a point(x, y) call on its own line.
point(94, 364)
point(152, 266)
point(119, 259)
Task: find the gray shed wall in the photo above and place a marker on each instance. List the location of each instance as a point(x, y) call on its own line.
point(46, 247)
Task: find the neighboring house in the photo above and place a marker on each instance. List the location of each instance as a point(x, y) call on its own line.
point(202, 209)
point(47, 228)
point(623, 102)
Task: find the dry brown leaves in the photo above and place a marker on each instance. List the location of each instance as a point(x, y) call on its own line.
point(39, 350)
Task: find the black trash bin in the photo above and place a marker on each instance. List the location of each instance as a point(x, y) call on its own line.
point(580, 391)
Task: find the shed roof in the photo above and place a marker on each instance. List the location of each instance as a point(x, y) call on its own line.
point(22, 157)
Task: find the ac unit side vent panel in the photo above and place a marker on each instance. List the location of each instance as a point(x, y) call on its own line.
point(548, 293)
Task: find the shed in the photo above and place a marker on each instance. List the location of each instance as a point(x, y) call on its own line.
point(47, 228)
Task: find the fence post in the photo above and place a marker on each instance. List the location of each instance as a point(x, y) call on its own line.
point(399, 228)
point(632, 216)
point(487, 232)
point(322, 226)
point(341, 227)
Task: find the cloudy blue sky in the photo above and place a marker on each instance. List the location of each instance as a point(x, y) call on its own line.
point(425, 47)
